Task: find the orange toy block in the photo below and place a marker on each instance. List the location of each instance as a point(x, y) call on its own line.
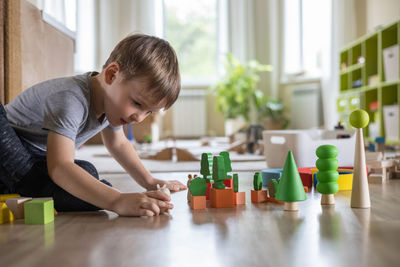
point(258, 196)
point(228, 183)
point(221, 198)
point(305, 189)
point(239, 198)
point(198, 202)
point(209, 185)
point(273, 200)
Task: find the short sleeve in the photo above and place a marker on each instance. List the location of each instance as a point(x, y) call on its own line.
point(64, 113)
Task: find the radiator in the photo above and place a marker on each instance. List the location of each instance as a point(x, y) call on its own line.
point(189, 114)
point(306, 111)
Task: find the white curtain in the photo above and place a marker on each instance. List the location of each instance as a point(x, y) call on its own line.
point(101, 24)
point(343, 31)
point(253, 33)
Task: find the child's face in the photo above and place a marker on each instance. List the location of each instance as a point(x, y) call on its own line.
point(127, 101)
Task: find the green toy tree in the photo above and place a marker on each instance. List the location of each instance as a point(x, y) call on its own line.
point(198, 187)
point(235, 182)
point(257, 181)
point(327, 174)
point(218, 172)
point(206, 165)
point(290, 188)
point(227, 162)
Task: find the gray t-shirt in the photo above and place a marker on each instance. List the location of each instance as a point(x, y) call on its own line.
point(63, 105)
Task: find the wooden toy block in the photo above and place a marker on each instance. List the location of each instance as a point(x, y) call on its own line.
point(345, 180)
point(39, 211)
point(221, 198)
point(209, 186)
point(306, 178)
point(376, 178)
point(269, 174)
point(305, 189)
point(258, 196)
point(239, 198)
point(16, 205)
point(228, 183)
point(5, 213)
point(6, 196)
point(198, 202)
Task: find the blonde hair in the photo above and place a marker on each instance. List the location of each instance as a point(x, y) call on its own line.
point(152, 58)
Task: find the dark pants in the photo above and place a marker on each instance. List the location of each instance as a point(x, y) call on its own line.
point(23, 170)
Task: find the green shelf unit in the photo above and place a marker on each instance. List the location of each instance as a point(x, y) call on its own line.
point(362, 77)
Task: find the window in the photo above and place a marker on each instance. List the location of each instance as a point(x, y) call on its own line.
point(306, 22)
point(192, 27)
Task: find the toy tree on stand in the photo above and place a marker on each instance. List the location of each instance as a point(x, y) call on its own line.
point(228, 168)
point(360, 191)
point(290, 189)
point(220, 197)
point(206, 165)
point(327, 174)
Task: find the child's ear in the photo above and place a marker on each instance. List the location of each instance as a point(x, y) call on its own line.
point(111, 72)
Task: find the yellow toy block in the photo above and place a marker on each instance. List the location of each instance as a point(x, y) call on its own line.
point(4, 197)
point(5, 213)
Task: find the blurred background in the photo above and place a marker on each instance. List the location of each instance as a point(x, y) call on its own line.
point(275, 63)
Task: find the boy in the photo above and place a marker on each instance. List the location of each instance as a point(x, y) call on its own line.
point(40, 129)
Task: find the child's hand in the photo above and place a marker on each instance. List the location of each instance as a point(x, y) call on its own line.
point(173, 185)
point(142, 204)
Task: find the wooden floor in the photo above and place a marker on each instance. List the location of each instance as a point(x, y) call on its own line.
point(250, 235)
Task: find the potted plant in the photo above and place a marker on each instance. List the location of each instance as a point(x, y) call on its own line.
point(237, 94)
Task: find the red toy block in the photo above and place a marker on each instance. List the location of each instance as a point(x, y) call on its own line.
point(258, 196)
point(209, 185)
point(239, 198)
point(228, 183)
point(198, 202)
point(306, 178)
point(221, 198)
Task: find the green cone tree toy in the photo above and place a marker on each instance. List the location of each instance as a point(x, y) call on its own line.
point(290, 189)
point(218, 172)
point(227, 163)
point(327, 174)
point(206, 166)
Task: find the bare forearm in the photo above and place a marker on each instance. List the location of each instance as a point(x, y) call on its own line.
point(126, 155)
point(81, 184)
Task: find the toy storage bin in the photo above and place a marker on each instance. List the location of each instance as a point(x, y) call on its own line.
point(304, 143)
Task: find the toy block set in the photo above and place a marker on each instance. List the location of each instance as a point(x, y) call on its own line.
point(217, 184)
point(33, 211)
point(286, 185)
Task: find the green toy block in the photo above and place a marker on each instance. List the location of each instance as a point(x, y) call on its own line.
point(218, 173)
point(39, 211)
point(290, 187)
point(257, 181)
point(235, 182)
point(198, 187)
